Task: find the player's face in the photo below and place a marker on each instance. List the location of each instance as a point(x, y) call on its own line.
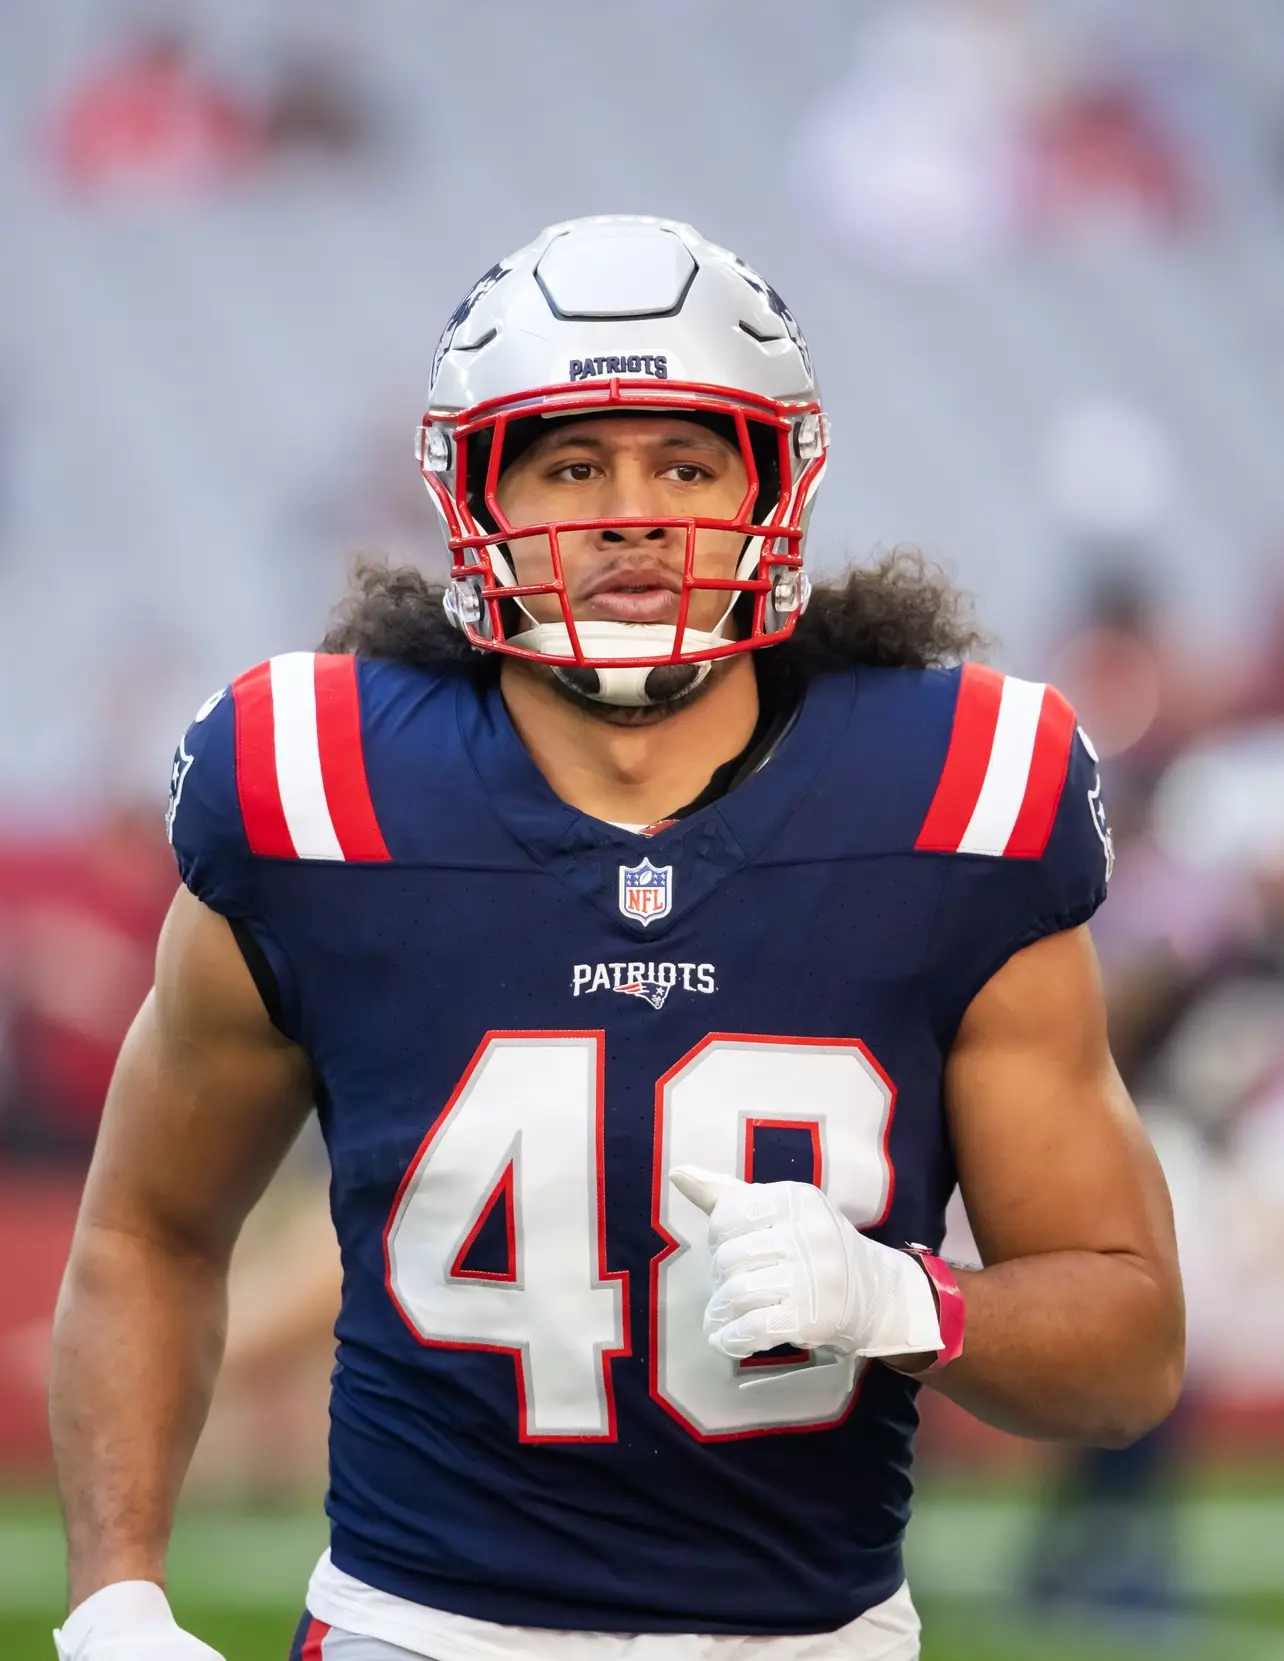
point(609, 467)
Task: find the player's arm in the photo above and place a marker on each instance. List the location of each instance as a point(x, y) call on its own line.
point(1075, 1326)
point(206, 1098)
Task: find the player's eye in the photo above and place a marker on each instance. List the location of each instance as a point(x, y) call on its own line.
point(576, 472)
point(687, 472)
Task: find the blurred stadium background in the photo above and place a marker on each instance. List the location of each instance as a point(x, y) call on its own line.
point(1038, 249)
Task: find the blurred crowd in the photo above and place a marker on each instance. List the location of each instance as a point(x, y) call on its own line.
point(965, 129)
point(151, 116)
point(1192, 940)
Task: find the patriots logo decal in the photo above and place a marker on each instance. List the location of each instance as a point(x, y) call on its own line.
point(653, 991)
point(761, 286)
point(463, 311)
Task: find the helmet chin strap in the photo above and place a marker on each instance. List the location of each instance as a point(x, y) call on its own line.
point(625, 686)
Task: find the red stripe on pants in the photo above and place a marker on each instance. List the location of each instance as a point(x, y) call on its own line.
point(312, 1643)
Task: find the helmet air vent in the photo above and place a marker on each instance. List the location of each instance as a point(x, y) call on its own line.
point(758, 335)
point(616, 273)
point(475, 345)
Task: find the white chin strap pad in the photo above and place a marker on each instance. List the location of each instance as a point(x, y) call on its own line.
point(601, 642)
point(627, 687)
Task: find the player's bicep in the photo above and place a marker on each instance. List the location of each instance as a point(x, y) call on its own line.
point(205, 1100)
point(1051, 1154)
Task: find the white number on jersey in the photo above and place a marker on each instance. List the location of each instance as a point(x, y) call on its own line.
point(527, 1117)
point(524, 1129)
point(708, 1104)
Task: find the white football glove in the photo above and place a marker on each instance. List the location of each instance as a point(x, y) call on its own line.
point(788, 1268)
point(130, 1620)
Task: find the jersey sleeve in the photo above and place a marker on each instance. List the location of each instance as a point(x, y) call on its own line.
point(204, 818)
point(207, 829)
point(1035, 855)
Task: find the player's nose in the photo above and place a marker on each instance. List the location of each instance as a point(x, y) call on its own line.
point(633, 535)
point(632, 495)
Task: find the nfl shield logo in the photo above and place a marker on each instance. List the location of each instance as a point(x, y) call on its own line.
point(646, 891)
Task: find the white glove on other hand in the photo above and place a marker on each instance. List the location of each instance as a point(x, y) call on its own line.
point(788, 1268)
point(130, 1620)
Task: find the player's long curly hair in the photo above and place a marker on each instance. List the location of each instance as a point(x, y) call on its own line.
point(900, 613)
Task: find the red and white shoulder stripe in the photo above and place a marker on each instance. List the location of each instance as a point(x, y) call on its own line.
point(300, 768)
point(1005, 768)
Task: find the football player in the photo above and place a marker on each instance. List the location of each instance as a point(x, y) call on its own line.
point(659, 954)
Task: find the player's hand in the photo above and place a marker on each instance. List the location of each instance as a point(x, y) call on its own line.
point(128, 1621)
point(788, 1268)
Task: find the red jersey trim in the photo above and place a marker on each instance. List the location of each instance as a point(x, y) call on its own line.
point(300, 763)
point(1005, 768)
point(256, 779)
point(343, 766)
point(1048, 768)
point(976, 715)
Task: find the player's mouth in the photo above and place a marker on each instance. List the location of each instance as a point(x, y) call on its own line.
point(641, 595)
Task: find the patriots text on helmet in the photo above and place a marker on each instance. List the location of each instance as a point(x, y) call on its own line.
point(631, 363)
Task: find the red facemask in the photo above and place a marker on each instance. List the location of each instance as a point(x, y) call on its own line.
point(767, 592)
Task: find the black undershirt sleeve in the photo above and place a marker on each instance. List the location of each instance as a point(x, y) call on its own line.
point(261, 970)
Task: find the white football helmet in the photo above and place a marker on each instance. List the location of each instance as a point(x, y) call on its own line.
point(613, 314)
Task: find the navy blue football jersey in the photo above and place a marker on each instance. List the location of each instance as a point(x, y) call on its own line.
point(522, 1018)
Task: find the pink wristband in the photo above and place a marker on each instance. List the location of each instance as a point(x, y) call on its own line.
point(950, 1307)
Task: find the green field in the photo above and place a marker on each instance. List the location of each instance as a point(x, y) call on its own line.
point(238, 1581)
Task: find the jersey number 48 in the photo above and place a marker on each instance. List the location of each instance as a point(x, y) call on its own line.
point(524, 1129)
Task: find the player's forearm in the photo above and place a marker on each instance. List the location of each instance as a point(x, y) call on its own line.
point(1076, 1346)
point(137, 1340)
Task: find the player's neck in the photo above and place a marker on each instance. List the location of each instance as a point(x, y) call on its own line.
point(632, 775)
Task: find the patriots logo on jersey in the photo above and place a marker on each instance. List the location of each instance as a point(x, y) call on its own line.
point(1102, 827)
point(652, 990)
point(177, 774)
point(182, 764)
point(1097, 807)
point(646, 891)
